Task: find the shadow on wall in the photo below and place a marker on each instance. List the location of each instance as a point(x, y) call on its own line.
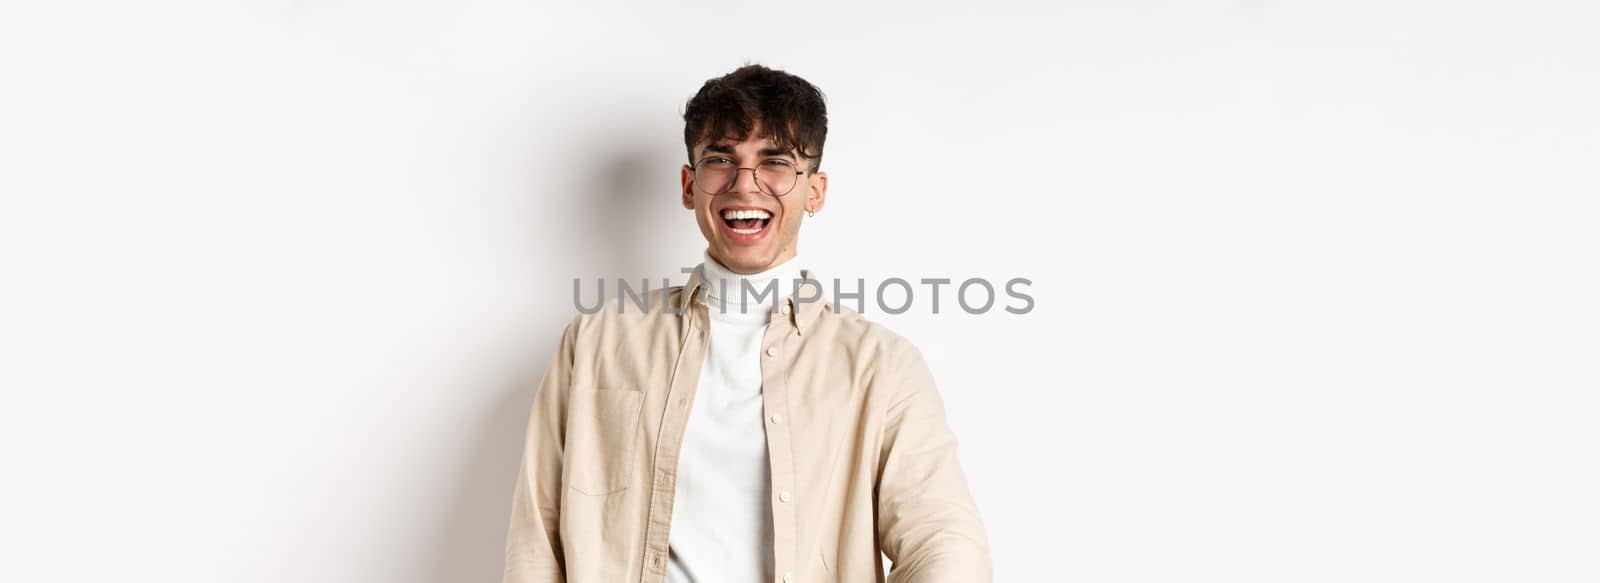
point(618, 228)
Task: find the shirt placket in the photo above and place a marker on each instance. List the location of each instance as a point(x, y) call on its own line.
point(669, 443)
point(784, 497)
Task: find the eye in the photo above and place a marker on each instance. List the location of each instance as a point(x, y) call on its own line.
point(718, 161)
point(775, 162)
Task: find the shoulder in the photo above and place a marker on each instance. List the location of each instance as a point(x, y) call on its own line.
point(878, 349)
point(636, 310)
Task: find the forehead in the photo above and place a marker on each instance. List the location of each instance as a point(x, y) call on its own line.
point(764, 146)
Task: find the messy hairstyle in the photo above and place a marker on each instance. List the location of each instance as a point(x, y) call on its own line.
point(791, 111)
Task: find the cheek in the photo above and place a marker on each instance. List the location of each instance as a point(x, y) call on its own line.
point(791, 222)
point(703, 217)
point(796, 213)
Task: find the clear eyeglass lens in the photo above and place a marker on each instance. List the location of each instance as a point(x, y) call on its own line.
point(717, 176)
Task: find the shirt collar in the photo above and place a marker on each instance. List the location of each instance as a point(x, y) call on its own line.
point(804, 306)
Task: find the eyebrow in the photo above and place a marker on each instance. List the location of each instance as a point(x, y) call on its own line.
point(725, 148)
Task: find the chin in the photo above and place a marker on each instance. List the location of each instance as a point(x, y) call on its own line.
point(747, 259)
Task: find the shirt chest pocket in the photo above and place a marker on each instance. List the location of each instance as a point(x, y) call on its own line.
point(602, 425)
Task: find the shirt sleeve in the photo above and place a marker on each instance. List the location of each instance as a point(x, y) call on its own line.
point(533, 540)
point(928, 523)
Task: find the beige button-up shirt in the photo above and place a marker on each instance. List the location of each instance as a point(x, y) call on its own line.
point(862, 457)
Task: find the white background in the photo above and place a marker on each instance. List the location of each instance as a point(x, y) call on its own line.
point(1315, 282)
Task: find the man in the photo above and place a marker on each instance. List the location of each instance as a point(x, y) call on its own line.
point(740, 428)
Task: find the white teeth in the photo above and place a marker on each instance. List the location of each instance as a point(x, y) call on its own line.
point(746, 214)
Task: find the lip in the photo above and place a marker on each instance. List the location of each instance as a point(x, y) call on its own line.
point(745, 238)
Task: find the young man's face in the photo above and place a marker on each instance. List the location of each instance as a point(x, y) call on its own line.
point(752, 245)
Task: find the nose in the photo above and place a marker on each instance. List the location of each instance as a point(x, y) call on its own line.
point(742, 185)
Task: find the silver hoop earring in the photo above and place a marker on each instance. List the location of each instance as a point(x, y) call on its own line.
point(811, 213)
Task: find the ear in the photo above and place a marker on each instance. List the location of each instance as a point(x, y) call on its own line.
point(688, 187)
point(818, 193)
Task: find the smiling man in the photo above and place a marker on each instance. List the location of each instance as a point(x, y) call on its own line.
point(742, 428)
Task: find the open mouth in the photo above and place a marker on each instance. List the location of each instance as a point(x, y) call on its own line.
point(746, 225)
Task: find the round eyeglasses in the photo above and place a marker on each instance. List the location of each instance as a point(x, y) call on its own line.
point(775, 176)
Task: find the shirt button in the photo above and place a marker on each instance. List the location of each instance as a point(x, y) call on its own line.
point(777, 418)
point(784, 309)
point(785, 496)
point(772, 351)
point(788, 578)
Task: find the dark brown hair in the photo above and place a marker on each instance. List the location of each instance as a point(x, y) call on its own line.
point(791, 111)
